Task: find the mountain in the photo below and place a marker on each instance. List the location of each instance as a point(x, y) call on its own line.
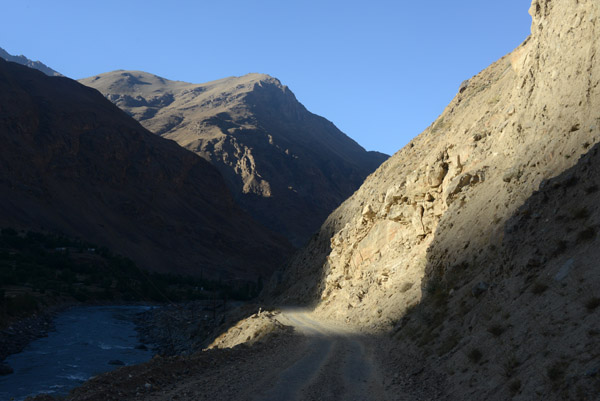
point(38, 65)
point(476, 244)
point(72, 162)
point(286, 166)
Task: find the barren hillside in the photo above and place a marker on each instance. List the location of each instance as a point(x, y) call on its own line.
point(72, 162)
point(286, 166)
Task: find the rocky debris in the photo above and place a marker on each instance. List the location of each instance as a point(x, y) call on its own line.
point(436, 174)
point(21, 332)
point(368, 212)
point(513, 173)
point(259, 327)
point(186, 328)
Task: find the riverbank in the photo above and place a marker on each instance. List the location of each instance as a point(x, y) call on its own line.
point(186, 328)
point(174, 329)
point(20, 332)
point(87, 341)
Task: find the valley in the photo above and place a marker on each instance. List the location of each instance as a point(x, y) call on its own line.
point(463, 267)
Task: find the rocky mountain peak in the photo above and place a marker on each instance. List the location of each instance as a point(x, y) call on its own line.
point(286, 166)
point(38, 65)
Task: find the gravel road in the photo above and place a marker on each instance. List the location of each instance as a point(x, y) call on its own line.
point(333, 366)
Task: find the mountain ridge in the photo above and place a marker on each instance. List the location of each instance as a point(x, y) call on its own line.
point(38, 65)
point(75, 163)
point(286, 166)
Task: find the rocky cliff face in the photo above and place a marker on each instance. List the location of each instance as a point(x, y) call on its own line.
point(73, 162)
point(476, 242)
point(38, 65)
point(286, 166)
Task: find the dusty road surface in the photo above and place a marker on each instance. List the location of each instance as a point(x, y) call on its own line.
point(318, 360)
point(334, 364)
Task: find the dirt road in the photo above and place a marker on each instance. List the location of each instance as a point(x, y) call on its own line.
point(334, 364)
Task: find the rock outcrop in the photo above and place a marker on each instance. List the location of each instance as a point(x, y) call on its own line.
point(476, 242)
point(38, 65)
point(286, 166)
point(74, 163)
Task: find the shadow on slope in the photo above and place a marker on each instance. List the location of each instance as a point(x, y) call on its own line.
point(518, 317)
point(75, 164)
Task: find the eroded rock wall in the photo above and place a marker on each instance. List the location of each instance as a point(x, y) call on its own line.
point(526, 118)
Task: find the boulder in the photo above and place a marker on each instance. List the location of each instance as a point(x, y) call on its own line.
point(436, 174)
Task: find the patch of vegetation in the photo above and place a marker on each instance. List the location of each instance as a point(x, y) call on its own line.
point(448, 344)
point(571, 181)
point(514, 387)
point(475, 355)
point(581, 213)
point(510, 365)
point(427, 336)
point(556, 372)
point(496, 330)
point(439, 125)
point(586, 234)
point(40, 268)
point(19, 305)
point(538, 288)
point(561, 247)
point(592, 303)
point(591, 189)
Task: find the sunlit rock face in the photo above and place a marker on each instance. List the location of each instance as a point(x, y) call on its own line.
point(286, 166)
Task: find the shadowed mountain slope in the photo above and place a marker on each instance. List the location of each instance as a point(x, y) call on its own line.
point(286, 166)
point(72, 162)
point(38, 65)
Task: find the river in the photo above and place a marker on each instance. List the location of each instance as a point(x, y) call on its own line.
point(86, 339)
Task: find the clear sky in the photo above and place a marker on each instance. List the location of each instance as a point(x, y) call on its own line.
point(381, 70)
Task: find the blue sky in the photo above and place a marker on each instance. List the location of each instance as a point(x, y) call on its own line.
point(381, 70)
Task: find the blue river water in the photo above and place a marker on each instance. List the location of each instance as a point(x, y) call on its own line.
point(85, 341)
